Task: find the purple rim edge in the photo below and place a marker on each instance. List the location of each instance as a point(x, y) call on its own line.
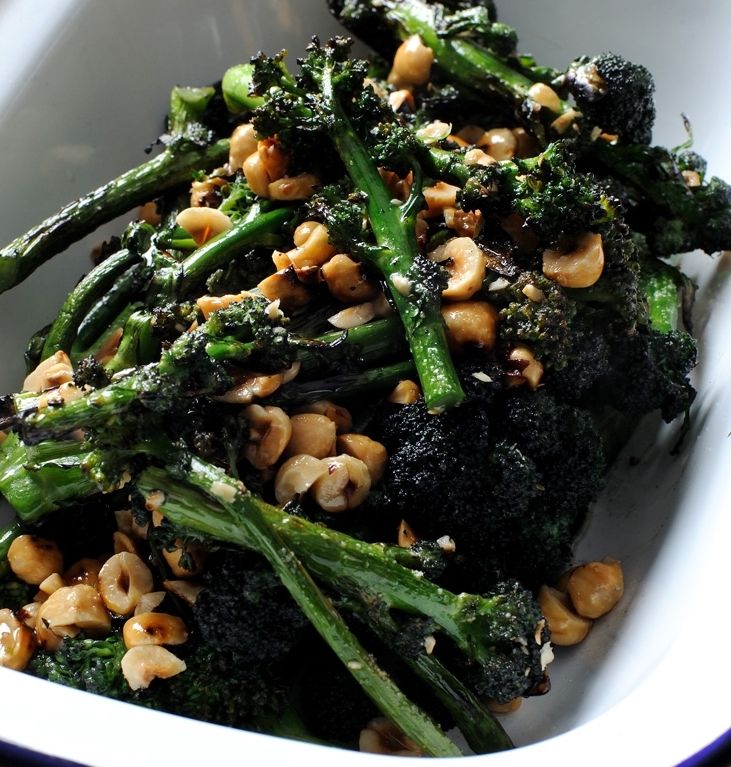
point(11, 754)
point(718, 749)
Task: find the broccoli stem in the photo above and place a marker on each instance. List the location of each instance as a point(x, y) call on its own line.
point(344, 385)
point(173, 166)
point(137, 345)
point(370, 572)
point(481, 730)
point(82, 298)
point(41, 479)
point(240, 516)
point(258, 224)
point(394, 231)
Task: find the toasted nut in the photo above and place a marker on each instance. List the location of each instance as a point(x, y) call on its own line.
point(149, 602)
point(33, 559)
point(692, 178)
point(527, 146)
point(184, 560)
point(50, 373)
point(465, 223)
point(53, 583)
point(528, 368)
point(471, 134)
point(256, 175)
point(210, 304)
point(274, 159)
point(143, 663)
point(401, 98)
point(68, 611)
point(296, 476)
point(372, 453)
point(123, 542)
point(435, 131)
point(466, 265)
point(85, 570)
point(109, 347)
point(504, 708)
point(411, 63)
point(471, 322)
point(28, 614)
point(345, 485)
point(154, 629)
point(62, 395)
point(149, 213)
point(285, 286)
point(580, 267)
point(565, 121)
point(439, 197)
point(289, 188)
point(595, 587)
point(566, 627)
point(406, 536)
point(478, 157)
point(405, 392)
point(346, 280)
point(533, 292)
point(381, 736)
point(253, 386)
point(206, 193)
point(336, 413)
point(123, 579)
point(270, 430)
point(280, 260)
point(499, 143)
point(353, 316)
point(312, 434)
point(17, 642)
point(186, 590)
point(312, 245)
point(243, 144)
point(203, 223)
point(545, 96)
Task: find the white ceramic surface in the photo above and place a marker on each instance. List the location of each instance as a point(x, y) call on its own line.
point(83, 88)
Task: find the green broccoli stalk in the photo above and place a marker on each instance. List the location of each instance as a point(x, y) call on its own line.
point(471, 50)
point(174, 165)
point(328, 98)
point(491, 632)
point(239, 520)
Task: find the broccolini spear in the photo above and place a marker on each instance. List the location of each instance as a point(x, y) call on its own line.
point(471, 49)
point(328, 101)
point(174, 165)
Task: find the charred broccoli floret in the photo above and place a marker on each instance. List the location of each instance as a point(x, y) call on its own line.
point(244, 610)
point(615, 95)
point(512, 506)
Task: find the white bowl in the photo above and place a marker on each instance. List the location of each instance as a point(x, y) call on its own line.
point(84, 90)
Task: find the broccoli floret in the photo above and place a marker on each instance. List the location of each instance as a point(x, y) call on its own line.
point(244, 610)
point(512, 504)
point(546, 325)
point(86, 663)
point(90, 372)
point(503, 679)
point(676, 212)
point(218, 687)
point(615, 95)
point(547, 192)
point(651, 372)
